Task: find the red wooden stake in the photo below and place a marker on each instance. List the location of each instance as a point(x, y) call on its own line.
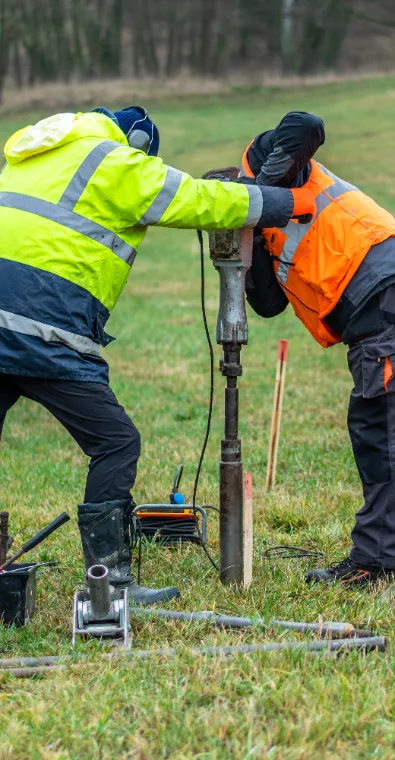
point(248, 529)
point(276, 416)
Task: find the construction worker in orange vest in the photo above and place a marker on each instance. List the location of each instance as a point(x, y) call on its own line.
point(338, 272)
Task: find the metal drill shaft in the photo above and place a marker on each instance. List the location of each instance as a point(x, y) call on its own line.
point(231, 475)
point(231, 252)
point(26, 667)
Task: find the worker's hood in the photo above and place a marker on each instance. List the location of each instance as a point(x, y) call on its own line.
point(58, 130)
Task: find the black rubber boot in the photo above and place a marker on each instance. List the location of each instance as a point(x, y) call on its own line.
point(348, 573)
point(105, 536)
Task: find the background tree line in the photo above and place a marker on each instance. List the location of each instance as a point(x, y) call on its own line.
point(61, 40)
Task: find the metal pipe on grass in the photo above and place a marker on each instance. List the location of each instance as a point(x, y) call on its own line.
point(231, 621)
point(23, 667)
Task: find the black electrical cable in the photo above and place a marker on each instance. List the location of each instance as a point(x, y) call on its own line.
point(140, 554)
point(292, 552)
point(135, 524)
point(208, 506)
point(208, 425)
point(210, 406)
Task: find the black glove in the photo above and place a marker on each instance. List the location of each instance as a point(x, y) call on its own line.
point(246, 180)
point(220, 177)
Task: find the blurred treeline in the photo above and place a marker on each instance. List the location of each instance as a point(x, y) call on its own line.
point(51, 40)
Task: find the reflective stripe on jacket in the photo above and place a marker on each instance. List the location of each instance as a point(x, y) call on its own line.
point(75, 202)
point(315, 262)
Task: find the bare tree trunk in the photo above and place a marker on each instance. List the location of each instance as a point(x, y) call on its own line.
point(17, 64)
point(6, 33)
point(324, 27)
point(175, 35)
point(62, 51)
point(193, 55)
point(111, 50)
point(340, 19)
point(288, 31)
point(145, 50)
point(79, 62)
point(40, 39)
point(57, 39)
point(204, 35)
point(276, 20)
point(242, 42)
point(152, 60)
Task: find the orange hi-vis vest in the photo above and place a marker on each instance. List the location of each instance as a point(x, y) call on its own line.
point(315, 262)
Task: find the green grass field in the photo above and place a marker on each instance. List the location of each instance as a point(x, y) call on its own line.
point(280, 706)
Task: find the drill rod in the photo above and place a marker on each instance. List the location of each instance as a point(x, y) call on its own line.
point(334, 629)
point(231, 254)
point(25, 667)
point(231, 475)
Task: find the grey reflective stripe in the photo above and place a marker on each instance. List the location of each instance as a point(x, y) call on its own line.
point(255, 207)
point(166, 195)
point(297, 232)
point(48, 333)
point(85, 172)
point(70, 219)
point(345, 185)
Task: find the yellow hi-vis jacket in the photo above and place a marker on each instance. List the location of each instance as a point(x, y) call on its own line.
point(75, 203)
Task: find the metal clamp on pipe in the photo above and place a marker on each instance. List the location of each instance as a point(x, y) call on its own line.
point(100, 610)
point(231, 253)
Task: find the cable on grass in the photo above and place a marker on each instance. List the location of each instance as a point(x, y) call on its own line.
point(292, 552)
point(211, 396)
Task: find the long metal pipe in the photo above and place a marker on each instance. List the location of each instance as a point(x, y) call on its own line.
point(231, 475)
point(337, 629)
point(231, 253)
point(24, 667)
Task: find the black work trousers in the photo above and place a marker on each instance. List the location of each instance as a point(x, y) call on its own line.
point(92, 415)
point(371, 424)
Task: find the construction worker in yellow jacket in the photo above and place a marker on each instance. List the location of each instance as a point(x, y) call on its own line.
point(77, 194)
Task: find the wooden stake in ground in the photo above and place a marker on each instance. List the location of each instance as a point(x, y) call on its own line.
point(276, 417)
point(248, 534)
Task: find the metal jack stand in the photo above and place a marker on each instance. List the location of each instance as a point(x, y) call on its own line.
point(100, 610)
point(231, 253)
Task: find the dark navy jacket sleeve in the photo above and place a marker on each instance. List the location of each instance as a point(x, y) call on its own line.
point(280, 157)
point(263, 292)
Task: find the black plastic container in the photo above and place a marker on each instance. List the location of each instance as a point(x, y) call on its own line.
point(18, 586)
